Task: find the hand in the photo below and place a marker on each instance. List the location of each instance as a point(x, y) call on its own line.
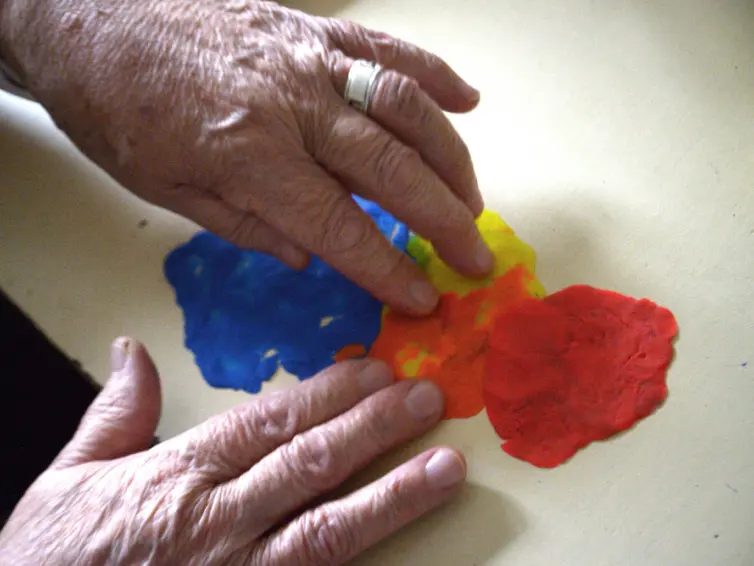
point(231, 113)
point(233, 490)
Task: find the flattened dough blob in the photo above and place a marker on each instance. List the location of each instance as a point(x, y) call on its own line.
point(246, 313)
point(580, 365)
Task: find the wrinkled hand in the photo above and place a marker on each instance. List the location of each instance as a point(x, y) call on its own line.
point(231, 113)
point(232, 491)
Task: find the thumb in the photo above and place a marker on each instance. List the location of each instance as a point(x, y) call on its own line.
point(123, 418)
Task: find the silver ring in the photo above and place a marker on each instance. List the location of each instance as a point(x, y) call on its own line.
point(360, 85)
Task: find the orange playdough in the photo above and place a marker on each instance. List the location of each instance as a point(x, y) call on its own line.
point(349, 352)
point(449, 346)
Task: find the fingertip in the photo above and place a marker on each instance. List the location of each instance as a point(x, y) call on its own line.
point(483, 257)
point(293, 257)
point(130, 359)
point(405, 288)
point(424, 296)
point(374, 375)
point(459, 99)
point(120, 352)
point(453, 103)
point(467, 253)
point(446, 469)
point(469, 93)
point(425, 401)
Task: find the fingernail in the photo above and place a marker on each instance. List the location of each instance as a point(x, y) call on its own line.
point(424, 400)
point(445, 469)
point(483, 257)
point(294, 257)
point(374, 376)
point(469, 92)
point(424, 294)
point(120, 352)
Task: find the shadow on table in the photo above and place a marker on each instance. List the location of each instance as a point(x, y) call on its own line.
point(472, 529)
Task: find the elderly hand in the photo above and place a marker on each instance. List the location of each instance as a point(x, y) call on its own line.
point(239, 489)
point(231, 113)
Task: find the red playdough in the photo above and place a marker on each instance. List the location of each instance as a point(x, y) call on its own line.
point(580, 365)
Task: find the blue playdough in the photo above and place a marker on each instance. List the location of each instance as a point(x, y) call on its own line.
point(246, 313)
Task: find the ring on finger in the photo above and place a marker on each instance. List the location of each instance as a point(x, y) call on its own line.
point(362, 78)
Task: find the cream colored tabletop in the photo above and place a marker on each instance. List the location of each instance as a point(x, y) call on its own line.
point(618, 139)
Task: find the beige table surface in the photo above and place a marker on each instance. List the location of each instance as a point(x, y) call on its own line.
point(617, 137)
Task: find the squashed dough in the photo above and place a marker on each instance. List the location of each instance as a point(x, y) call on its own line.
point(246, 313)
point(580, 365)
point(449, 347)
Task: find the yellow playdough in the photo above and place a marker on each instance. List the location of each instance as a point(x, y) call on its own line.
point(508, 249)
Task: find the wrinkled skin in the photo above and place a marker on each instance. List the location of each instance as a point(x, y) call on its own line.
point(230, 113)
point(238, 489)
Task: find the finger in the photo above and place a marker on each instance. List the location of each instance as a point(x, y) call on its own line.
point(324, 219)
point(123, 418)
point(434, 75)
point(242, 228)
point(229, 444)
point(400, 105)
point(377, 166)
point(339, 530)
point(322, 458)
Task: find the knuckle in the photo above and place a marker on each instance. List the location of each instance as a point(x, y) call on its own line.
point(266, 424)
point(393, 268)
point(380, 427)
point(327, 537)
point(344, 230)
point(275, 420)
point(389, 49)
point(393, 502)
point(355, 32)
point(313, 462)
point(399, 170)
point(245, 231)
point(407, 98)
point(434, 63)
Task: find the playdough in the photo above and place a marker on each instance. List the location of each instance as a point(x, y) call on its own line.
point(449, 346)
point(554, 373)
point(580, 365)
point(246, 313)
point(508, 249)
